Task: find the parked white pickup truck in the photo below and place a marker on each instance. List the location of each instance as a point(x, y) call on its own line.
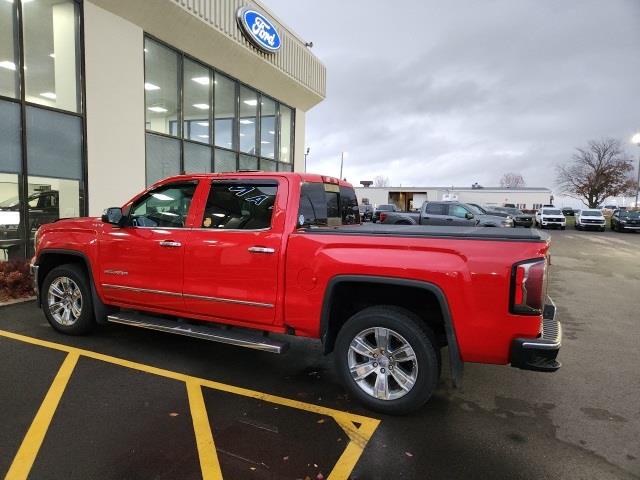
point(550, 217)
point(590, 218)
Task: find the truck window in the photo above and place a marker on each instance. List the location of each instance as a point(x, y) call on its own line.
point(436, 209)
point(327, 204)
point(240, 206)
point(165, 206)
point(457, 211)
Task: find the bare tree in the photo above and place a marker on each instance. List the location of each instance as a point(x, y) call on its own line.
point(381, 181)
point(512, 180)
point(599, 171)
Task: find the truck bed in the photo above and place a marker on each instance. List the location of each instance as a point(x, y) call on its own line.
point(473, 233)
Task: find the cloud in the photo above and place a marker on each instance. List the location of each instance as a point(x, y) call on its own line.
point(441, 93)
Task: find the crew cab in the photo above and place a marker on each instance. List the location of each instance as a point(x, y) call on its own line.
point(251, 258)
point(550, 218)
point(590, 218)
point(450, 213)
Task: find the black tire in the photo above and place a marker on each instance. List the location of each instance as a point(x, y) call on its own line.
point(417, 334)
point(85, 321)
point(562, 228)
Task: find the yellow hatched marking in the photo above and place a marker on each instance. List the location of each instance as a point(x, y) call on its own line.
point(209, 463)
point(358, 436)
point(32, 441)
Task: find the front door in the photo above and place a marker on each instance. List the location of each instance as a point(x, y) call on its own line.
point(231, 261)
point(142, 262)
point(458, 216)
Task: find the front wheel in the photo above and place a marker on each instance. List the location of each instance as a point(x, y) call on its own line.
point(66, 300)
point(387, 357)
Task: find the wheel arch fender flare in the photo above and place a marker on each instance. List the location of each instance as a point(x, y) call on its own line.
point(455, 360)
point(99, 308)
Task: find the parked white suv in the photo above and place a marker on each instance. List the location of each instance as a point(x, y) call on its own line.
point(550, 217)
point(590, 218)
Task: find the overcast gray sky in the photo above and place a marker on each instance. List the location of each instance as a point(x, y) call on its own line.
point(449, 92)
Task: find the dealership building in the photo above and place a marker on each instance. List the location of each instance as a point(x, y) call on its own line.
point(101, 98)
point(409, 198)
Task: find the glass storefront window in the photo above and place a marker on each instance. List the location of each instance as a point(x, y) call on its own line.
point(8, 57)
point(286, 120)
point(197, 158)
point(248, 120)
point(163, 157)
point(267, 127)
point(54, 144)
point(10, 243)
point(268, 165)
point(224, 161)
point(10, 149)
point(161, 88)
point(51, 53)
point(248, 163)
point(225, 111)
point(197, 102)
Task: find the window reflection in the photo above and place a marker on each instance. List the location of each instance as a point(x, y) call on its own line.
point(197, 103)
point(285, 133)
point(10, 244)
point(51, 55)
point(267, 127)
point(225, 111)
point(161, 88)
point(248, 119)
point(8, 59)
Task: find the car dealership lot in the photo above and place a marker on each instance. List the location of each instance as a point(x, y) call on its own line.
point(117, 419)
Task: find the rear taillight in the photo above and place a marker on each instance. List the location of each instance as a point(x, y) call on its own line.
point(382, 216)
point(528, 287)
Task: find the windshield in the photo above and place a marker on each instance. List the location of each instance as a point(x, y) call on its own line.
point(386, 208)
point(11, 202)
point(513, 211)
point(628, 214)
point(477, 210)
point(551, 211)
point(591, 213)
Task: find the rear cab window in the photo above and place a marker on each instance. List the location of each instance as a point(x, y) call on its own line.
point(327, 204)
point(436, 209)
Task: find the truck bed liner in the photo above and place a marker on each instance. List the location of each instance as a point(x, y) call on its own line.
point(472, 233)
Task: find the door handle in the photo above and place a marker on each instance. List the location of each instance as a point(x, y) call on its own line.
point(170, 244)
point(262, 250)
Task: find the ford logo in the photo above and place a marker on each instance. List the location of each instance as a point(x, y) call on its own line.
point(258, 29)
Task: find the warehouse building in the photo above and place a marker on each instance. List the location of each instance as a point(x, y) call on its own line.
point(409, 198)
point(101, 98)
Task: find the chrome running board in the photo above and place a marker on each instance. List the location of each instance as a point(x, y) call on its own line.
point(213, 333)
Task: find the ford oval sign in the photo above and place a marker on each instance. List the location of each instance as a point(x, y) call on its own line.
point(258, 29)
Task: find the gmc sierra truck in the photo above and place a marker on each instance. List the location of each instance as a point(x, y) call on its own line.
point(249, 258)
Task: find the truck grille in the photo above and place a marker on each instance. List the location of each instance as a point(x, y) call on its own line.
point(554, 219)
point(592, 221)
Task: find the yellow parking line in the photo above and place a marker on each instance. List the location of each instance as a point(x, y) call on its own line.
point(209, 463)
point(32, 441)
point(358, 436)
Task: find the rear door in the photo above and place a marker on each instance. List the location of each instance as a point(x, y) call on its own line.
point(232, 258)
point(435, 214)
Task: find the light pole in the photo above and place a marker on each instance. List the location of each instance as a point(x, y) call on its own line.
point(636, 140)
point(305, 158)
point(342, 154)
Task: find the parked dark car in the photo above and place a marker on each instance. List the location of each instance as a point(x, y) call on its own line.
point(448, 213)
point(366, 213)
point(623, 220)
point(385, 207)
point(519, 217)
point(43, 208)
point(568, 211)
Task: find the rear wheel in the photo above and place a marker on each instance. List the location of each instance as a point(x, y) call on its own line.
point(66, 300)
point(387, 357)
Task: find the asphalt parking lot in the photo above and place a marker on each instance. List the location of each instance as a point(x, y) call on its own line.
point(127, 403)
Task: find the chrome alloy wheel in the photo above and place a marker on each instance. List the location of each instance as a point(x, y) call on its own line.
point(64, 300)
point(382, 363)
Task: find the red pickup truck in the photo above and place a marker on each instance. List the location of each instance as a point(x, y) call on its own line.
point(237, 257)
